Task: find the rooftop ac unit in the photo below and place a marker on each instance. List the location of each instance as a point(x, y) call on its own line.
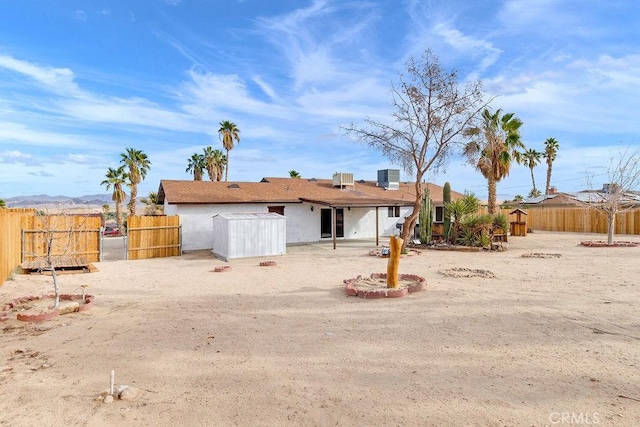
point(389, 179)
point(340, 179)
point(609, 188)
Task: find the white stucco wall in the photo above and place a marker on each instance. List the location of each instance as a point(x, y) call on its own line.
point(303, 224)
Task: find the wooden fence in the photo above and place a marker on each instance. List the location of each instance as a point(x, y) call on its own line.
point(10, 239)
point(24, 236)
point(579, 220)
point(153, 237)
point(68, 235)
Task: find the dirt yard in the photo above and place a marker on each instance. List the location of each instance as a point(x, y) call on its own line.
point(551, 337)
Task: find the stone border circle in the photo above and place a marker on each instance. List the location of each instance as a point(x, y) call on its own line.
point(603, 244)
point(267, 263)
point(31, 316)
point(351, 288)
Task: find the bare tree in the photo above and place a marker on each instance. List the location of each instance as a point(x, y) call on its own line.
point(431, 114)
point(56, 237)
point(620, 193)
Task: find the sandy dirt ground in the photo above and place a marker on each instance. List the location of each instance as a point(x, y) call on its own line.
point(552, 339)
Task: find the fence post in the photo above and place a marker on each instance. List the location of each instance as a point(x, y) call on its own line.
point(180, 238)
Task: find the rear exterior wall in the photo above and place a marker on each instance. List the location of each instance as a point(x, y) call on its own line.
point(303, 224)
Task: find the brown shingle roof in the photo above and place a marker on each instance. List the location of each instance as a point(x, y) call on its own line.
point(291, 190)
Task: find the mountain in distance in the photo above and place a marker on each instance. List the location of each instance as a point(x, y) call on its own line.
point(46, 200)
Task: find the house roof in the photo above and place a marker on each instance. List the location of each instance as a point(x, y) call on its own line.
point(581, 197)
point(292, 190)
point(557, 199)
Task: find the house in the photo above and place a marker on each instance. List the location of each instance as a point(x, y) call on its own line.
point(581, 198)
point(315, 209)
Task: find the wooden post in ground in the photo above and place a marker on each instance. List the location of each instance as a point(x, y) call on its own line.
point(395, 250)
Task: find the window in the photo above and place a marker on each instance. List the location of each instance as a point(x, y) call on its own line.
point(439, 214)
point(394, 211)
point(276, 209)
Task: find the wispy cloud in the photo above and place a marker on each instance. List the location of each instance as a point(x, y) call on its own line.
point(469, 45)
point(80, 15)
point(178, 46)
point(14, 156)
point(19, 133)
point(314, 39)
point(59, 80)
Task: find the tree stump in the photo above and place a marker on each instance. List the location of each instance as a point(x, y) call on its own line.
point(395, 250)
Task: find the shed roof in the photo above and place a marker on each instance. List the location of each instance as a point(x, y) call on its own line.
point(293, 190)
point(250, 215)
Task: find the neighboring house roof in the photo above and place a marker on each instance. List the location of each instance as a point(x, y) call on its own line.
point(557, 199)
point(581, 197)
point(292, 190)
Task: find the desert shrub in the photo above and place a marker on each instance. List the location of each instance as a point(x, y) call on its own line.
point(460, 210)
point(477, 230)
point(500, 221)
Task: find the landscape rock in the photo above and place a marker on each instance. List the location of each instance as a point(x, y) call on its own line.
point(69, 307)
point(127, 393)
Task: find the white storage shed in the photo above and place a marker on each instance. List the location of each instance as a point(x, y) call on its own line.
point(244, 235)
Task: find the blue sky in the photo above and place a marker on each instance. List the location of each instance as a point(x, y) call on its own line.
point(80, 81)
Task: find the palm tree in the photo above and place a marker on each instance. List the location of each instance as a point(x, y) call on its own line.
point(220, 161)
point(215, 161)
point(531, 159)
point(551, 147)
point(229, 133)
point(196, 165)
point(105, 212)
point(152, 208)
point(117, 178)
point(294, 174)
point(209, 163)
point(138, 164)
point(493, 147)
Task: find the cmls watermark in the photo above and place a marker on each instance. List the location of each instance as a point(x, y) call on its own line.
point(584, 418)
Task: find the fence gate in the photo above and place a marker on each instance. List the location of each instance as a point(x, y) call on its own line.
point(69, 239)
point(153, 237)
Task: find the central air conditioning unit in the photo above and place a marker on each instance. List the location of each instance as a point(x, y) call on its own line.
point(610, 188)
point(340, 179)
point(389, 179)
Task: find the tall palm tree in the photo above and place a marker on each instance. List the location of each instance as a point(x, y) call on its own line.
point(209, 163)
point(229, 133)
point(196, 165)
point(294, 174)
point(215, 161)
point(138, 164)
point(220, 161)
point(531, 159)
point(105, 212)
point(117, 178)
point(494, 145)
point(551, 147)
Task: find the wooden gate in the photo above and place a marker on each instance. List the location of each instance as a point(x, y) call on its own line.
point(153, 237)
point(65, 236)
